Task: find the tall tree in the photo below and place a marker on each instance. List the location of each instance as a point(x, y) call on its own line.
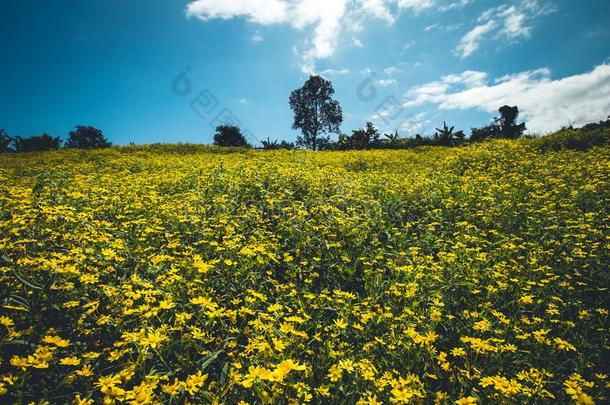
point(316, 113)
point(507, 122)
point(85, 137)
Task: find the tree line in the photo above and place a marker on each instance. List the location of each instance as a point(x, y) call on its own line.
point(82, 137)
point(317, 115)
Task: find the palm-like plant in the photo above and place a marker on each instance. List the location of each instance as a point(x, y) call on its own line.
point(269, 144)
point(393, 138)
point(444, 136)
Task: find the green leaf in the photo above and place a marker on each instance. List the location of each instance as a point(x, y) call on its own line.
point(26, 282)
point(209, 359)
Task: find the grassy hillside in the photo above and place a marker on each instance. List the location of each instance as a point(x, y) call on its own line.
point(180, 273)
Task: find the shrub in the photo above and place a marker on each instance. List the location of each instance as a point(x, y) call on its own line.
point(229, 135)
point(39, 143)
point(85, 137)
point(576, 139)
point(5, 142)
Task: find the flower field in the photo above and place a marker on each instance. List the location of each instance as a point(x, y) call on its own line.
point(182, 274)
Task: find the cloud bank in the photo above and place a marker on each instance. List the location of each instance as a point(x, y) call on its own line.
point(545, 103)
point(325, 19)
point(508, 22)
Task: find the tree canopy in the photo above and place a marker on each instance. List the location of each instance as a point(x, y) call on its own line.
point(39, 143)
point(316, 113)
point(5, 141)
point(229, 135)
point(507, 123)
point(86, 137)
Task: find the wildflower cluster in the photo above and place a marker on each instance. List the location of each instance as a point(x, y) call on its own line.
point(153, 275)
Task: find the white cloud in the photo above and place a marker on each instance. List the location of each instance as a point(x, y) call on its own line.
point(243, 101)
point(263, 12)
point(470, 41)
point(446, 28)
point(408, 46)
point(392, 70)
point(378, 9)
point(416, 124)
point(257, 38)
point(546, 104)
point(386, 82)
point(357, 43)
point(325, 16)
point(334, 72)
point(324, 20)
point(455, 5)
point(407, 125)
point(512, 22)
point(417, 5)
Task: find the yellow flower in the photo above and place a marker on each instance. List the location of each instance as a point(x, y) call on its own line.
point(256, 373)
point(107, 383)
point(286, 367)
point(323, 391)
point(173, 388)
point(205, 302)
point(435, 315)
point(335, 373)
point(56, 340)
point(78, 400)
point(502, 384)
point(201, 266)
point(526, 299)
point(154, 339)
point(194, 382)
point(466, 401)
point(86, 371)
point(564, 345)
point(458, 352)
point(6, 321)
point(70, 361)
point(340, 323)
point(17, 361)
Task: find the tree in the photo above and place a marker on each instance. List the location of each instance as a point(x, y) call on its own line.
point(286, 145)
point(270, 145)
point(315, 112)
point(446, 137)
point(274, 145)
point(366, 137)
point(486, 132)
point(39, 143)
point(392, 140)
point(229, 135)
point(507, 122)
point(85, 137)
point(5, 142)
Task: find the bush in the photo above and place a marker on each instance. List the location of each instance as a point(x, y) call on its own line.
point(85, 137)
point(229, 135)
point(5, 142)
point(576, 139)
point(39, 143)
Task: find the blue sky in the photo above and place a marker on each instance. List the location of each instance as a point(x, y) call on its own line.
point(148, 71)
